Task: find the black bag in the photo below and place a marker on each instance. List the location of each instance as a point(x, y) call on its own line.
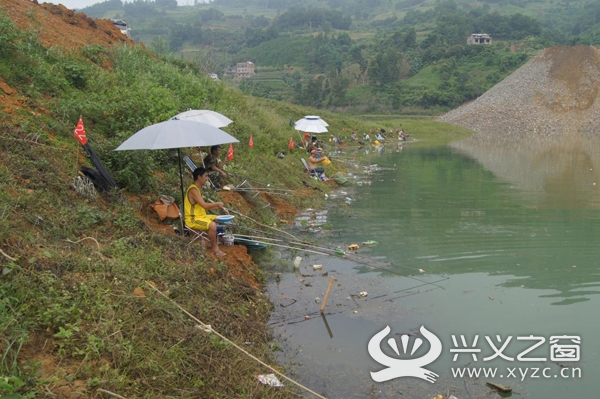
point(95, 177)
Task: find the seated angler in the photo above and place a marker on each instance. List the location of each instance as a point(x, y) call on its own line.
point(195, 209)
point(215, 166)
point(313, 162)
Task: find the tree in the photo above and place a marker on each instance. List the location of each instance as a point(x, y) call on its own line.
point(167, 4)
point(338, 87)
point(313, 92)
point(385, 67)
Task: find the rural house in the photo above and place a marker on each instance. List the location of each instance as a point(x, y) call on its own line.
point(479, 38)
point(244, 69)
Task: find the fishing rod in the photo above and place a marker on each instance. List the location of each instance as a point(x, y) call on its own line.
point(333, 252)
point(259, 237)
point(289, 247)
point(264, 225)
point(248, 179)
point(262, 190)
point(362, 260)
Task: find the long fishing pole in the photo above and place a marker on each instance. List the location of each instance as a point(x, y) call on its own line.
point(255, 230)
point(289, 247)
point(259, 237)
point(264, 225)
point(248, 179)
point(362, 260)
point(261, 189)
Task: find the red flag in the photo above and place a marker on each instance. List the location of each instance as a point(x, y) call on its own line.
point(79, 132)
point(306, 135)
point(230, 152)
point(251, 142)
point(291, 144)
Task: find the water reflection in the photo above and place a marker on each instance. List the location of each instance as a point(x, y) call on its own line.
point(565, 173)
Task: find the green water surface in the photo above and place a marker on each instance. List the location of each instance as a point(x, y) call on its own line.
point(472, 240)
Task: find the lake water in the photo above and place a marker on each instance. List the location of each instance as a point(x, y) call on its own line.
point(473, 240)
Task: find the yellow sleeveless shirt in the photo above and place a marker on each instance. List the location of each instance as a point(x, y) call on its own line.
point(195, 216)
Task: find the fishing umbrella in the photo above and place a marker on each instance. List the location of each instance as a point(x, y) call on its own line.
point(312, 124)
point(318, 118)
point(178, 134)
point(205, 116)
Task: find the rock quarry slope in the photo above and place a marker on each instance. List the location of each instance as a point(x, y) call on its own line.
point(554, 94)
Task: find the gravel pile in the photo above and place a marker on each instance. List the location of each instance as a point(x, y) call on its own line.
point(553, 95)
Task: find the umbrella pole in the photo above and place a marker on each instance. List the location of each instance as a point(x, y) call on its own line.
point(182, 194)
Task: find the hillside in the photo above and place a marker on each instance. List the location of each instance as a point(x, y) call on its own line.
point(554, 94)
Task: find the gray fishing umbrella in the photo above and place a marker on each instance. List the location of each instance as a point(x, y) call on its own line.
point(311, 124)
point(177, 134)
point(204, 116)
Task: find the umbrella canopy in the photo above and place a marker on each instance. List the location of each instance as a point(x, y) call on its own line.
point(313, 117)
point(176, 133)
point(311, 124)
point(205, 116)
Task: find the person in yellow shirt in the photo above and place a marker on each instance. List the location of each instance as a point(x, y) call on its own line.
point(195, 210)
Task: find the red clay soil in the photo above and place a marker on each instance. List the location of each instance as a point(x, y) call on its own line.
point(56, 25)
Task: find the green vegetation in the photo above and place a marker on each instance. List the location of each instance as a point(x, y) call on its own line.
point(77, 308)
point(389, 52)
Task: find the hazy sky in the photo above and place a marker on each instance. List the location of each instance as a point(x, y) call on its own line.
point(85, 3)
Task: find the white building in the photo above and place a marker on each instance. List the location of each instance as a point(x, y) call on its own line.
point(244, 69)
point(479, 38)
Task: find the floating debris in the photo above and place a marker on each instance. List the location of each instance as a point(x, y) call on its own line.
point(499, 387)
point(270, 379)
point(339, 251)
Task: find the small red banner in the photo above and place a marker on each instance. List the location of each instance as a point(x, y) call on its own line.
point(79, 132)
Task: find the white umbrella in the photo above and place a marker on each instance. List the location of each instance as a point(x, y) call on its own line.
point(205, 116)
point(311, 124)
point(313, 117)
point(177, 134)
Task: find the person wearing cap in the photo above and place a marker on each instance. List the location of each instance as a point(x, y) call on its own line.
point(312, 145)
point(313, 162)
